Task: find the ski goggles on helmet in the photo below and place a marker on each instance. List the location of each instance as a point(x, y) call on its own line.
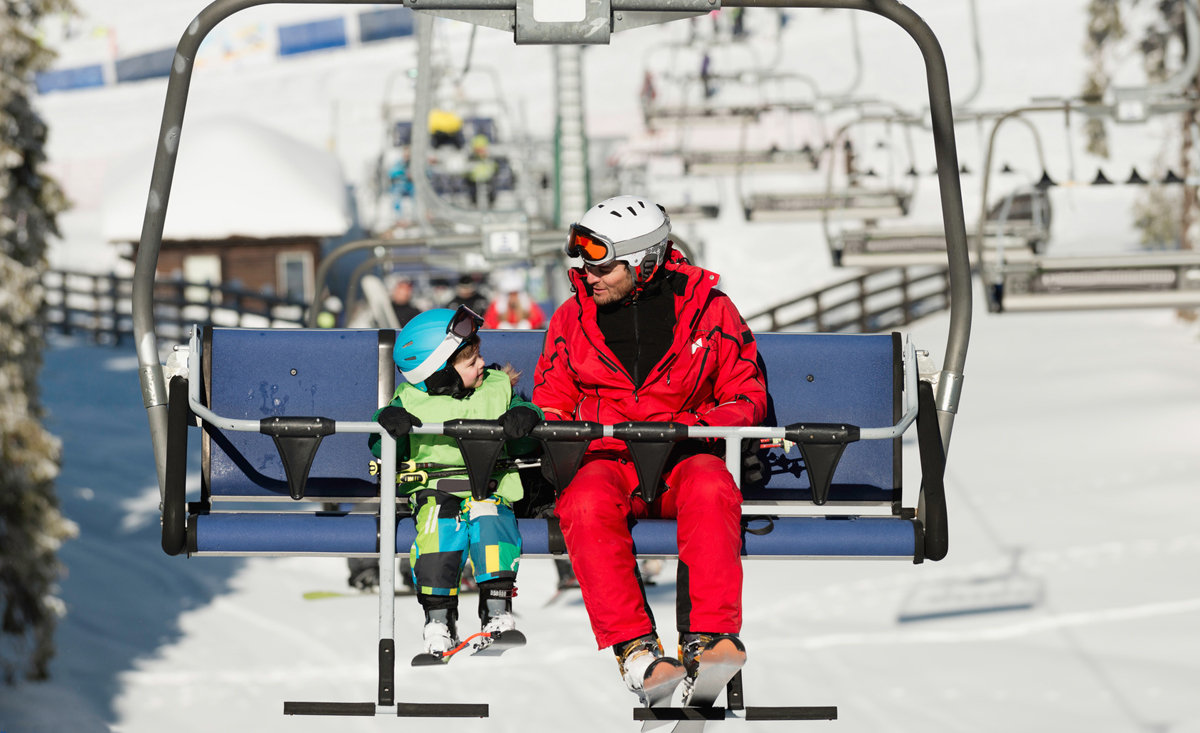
point(464, 323)
point(593, 248)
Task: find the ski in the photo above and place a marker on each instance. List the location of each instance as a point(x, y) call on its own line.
point(500, 643)
point(716, 666)
point(484, 645)
point(662, 677)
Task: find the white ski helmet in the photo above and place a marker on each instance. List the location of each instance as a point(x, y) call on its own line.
point(631, 229)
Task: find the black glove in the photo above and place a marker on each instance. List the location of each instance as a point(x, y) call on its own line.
point(752, 466)
point(397, 421)
point(519, 422)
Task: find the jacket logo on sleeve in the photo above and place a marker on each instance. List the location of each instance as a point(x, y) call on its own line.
point(698, 345)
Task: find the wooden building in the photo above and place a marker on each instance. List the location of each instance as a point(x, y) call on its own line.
point(250, 208)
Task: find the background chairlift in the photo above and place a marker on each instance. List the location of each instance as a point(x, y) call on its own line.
point(855, 202)
point(773, 160)
point(202, 376)
point(1020, 223)
point(475, 94)
point(1047, 283)
point(1152, 280)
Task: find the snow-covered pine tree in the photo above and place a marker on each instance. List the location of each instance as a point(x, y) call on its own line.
point(1158, 213)
point(31, 527)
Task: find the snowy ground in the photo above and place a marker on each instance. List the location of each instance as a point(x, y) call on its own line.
point(1077, 444)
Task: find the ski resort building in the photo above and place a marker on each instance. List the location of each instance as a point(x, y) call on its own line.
point(251, 208)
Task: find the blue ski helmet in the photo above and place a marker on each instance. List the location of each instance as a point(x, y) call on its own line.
point(425, 345)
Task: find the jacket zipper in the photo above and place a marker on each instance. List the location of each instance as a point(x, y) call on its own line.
point(637, 358)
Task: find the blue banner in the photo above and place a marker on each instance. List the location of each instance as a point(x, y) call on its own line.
point(146, 66)
point(63, 79)
point(376, 25)
point(305, 37)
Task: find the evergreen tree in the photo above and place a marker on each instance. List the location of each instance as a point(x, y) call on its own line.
point(31, 527)
point(1158, 214)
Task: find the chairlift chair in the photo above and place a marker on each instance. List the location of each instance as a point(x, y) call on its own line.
point(855, 202)
point(720, 162)
point(865, 390)
point(1047, 283)
point(851, 204)
point(1151, 280)
point(1021, 219)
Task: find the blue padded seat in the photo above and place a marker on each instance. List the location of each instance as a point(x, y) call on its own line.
point(252, 374)
point(356, 534)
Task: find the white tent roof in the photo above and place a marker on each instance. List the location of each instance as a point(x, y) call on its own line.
point(233, 178)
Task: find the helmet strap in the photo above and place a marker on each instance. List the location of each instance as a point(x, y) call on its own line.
point(446, 381)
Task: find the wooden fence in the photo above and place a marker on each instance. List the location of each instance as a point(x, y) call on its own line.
point(100, 307)
point(872, 302)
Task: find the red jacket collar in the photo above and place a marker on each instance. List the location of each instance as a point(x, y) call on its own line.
point(700, 283)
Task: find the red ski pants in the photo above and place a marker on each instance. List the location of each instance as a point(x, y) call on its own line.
point(595, 511)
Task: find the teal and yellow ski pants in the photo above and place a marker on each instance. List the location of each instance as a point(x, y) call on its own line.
point(450, 529)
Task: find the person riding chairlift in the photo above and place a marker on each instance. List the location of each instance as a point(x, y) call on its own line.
point(513, 308)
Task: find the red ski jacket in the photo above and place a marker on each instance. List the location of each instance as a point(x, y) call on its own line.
point(709, 376)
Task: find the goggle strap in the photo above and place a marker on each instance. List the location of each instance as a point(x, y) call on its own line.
point(434, 361)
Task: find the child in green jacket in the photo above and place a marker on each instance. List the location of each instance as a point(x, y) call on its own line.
point(437, 354)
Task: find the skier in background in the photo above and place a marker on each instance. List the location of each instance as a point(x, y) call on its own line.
point(402, 294)
point(706, 76)
point(467, 293)
point(512, 307)
point(445, 128)
point(739, 24)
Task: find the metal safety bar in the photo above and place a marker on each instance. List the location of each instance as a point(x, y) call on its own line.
point(949, 383)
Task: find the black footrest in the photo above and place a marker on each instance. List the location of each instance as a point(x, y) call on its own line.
point(679, 713)
point(750, 713)
point(403, 710)
point(760, 713)
point(441, 710)
point(365, 709)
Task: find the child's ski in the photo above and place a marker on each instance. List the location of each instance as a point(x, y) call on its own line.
point(484, 645)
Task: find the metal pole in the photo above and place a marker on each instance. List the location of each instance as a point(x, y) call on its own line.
point(387, 559)
point(978, 44)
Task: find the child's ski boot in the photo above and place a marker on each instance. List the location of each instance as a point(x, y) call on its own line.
point(495, 613)
point(441, 636)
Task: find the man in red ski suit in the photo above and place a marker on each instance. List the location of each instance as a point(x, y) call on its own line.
point(649, 338)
